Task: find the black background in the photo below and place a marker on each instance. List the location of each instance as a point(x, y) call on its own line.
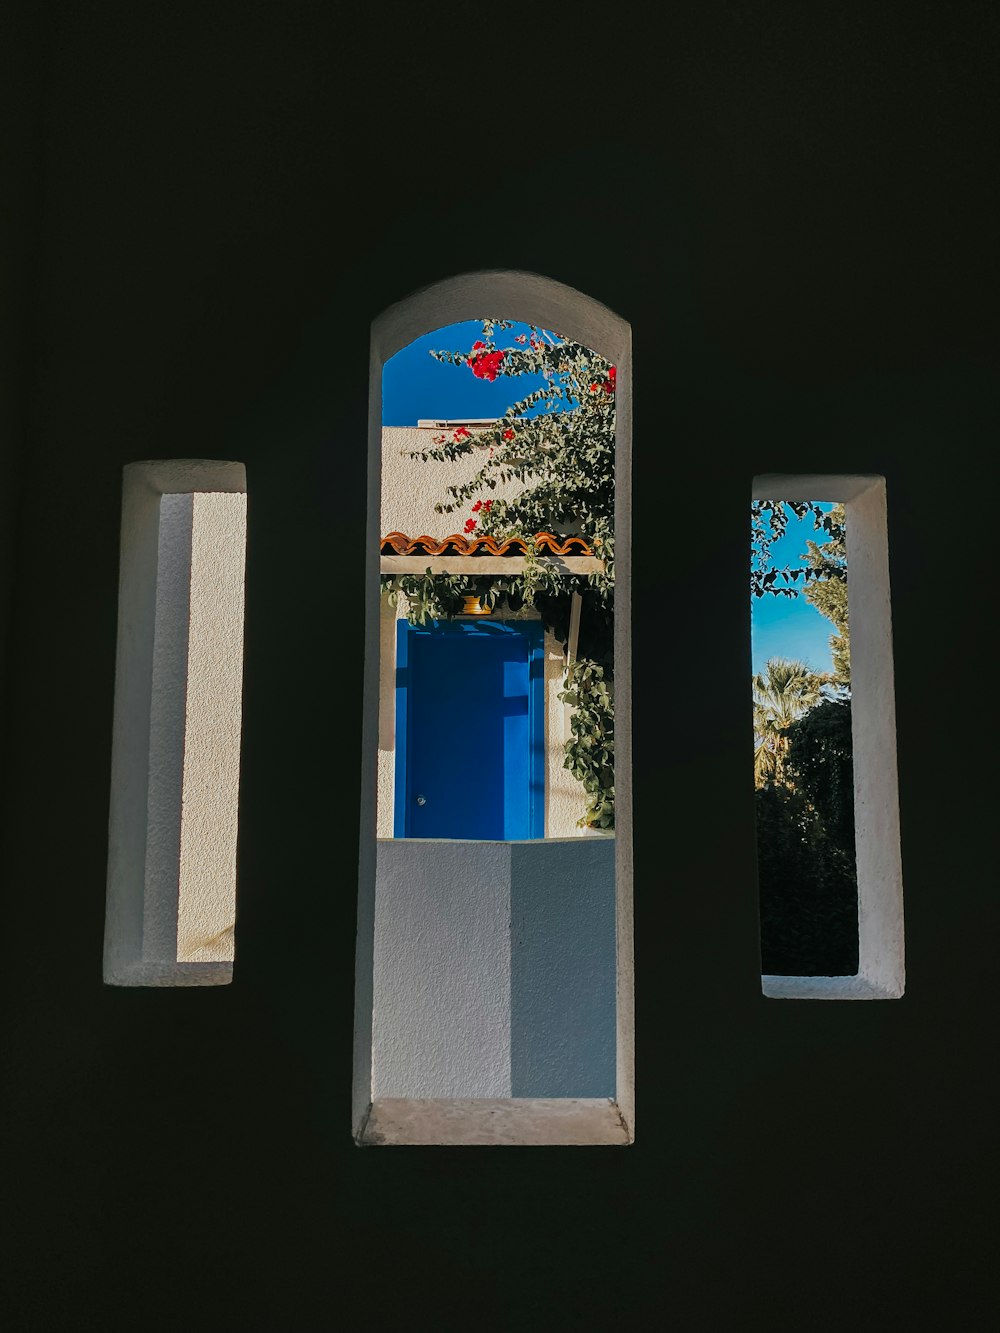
point(795, 208)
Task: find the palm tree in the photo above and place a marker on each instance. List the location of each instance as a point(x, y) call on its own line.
point(782, 692)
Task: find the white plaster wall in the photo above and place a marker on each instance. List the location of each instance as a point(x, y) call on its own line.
point(411, 488)
point(565, 800)
point(563, 968)
point(441, 1024)
point(494, 969)
point(175, 749)
point(386, 772)
point(873, 723)
point(206, 909)
point(171, 591)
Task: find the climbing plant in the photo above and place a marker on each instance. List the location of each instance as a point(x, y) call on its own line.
point(558, 441)
point(768, 523)
point(590, 752)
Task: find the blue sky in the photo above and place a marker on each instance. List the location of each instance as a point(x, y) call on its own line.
point(789, 626)
point(415, 386)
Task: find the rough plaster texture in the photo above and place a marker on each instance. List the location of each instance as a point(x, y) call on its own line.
point(386, 774)
point(539, 300)
point(530, 1121)
point(206, 911)
point(175, 749)
point(565, 800)
point(562, 986)
point(441, 1026)
point(881, 972)
point(166, 728)
point(412, 487)
point(494, 969)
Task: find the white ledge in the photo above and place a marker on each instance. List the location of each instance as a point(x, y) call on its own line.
point(825, 988)
point(494, 1121)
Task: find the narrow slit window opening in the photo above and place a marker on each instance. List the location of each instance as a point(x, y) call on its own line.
point(879, 969)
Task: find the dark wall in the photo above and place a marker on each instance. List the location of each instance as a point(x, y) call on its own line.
point(794, 207)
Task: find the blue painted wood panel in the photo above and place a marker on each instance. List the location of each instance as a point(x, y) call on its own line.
point(469, 731)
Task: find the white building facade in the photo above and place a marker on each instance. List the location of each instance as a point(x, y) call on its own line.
point(410, 489)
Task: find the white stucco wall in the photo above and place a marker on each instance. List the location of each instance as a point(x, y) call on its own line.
point(494, 969)
point(562, 915)
point(206, 907)
point(409, 490)
point(565, 799)
point(411, 487)
point(441, 1025)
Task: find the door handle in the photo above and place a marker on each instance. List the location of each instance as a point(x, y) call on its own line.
point(421, 800)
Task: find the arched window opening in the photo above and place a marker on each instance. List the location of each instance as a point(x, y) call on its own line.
point(494, 984)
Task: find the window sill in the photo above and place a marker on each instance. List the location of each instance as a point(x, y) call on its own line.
point(826, 988)
point(493, 1121)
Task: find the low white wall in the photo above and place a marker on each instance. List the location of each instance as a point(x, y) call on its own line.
point(441, 1020)
point(411, 487)
point(563, 968)
point(494, 969)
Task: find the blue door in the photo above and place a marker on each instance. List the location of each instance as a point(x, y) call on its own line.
point(469, 731)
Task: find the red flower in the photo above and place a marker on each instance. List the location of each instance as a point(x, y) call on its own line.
point(612, 376)
point(508, 434)
point(462, 434)
point(487, 505)
point(521, 338)
point(470, 523)
point(484, 365)
point(477, 506)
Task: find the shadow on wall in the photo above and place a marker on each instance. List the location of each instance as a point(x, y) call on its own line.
point(494, 969)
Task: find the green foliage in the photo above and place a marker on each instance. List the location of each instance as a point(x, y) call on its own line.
point(803, 768)
point(808, 890)
point(565, 458)
point(590, 753)
point(769, 522)
point(820, 765)
point(828, 591)
point(439, 596)
point(782, 692)
point(806, 860)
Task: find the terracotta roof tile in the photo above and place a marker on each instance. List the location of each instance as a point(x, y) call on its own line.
point(399, 543)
